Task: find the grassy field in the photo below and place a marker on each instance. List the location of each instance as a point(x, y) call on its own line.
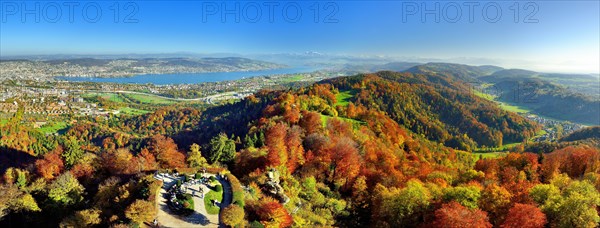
point(541, 132)
point(54, 127)
point(212, 195)
point(513, 108)
point(132, 111)
point(343, 97)
point(294, 78)
point(149, 99)
point(483, 95)
point(109, 96)
point(504, 106)
point(477, 156)
point(509, 145)
point(504, 147)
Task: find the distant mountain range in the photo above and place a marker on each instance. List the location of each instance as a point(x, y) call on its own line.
point(459, 71)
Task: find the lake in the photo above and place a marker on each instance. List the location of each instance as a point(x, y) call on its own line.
point(191, 78)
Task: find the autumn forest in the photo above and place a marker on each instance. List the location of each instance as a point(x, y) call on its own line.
point(385, 149)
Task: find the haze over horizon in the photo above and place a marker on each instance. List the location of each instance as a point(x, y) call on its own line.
point(553, 36)
point(504, 63)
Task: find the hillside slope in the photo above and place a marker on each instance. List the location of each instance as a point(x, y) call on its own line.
point(569, 97)
point(439, 108)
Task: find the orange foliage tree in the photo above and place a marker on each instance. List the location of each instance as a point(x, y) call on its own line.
point(166, 153)
point(272, 214)
point(275, 137)
point(457, 216)
point(311, 122)
point(51, 165)
point(524, 216)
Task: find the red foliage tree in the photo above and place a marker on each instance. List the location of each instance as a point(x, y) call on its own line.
point(311, 122)
point(293, 141)
point(82, 170)
point(351, 111)
point(488, 166)
point(575, 161)
point(272, 214)
point(291, 111)
point(146, 161)
point(323, 91)
point(291, 114)
point(454, 215)
point(345, 160)
point(118, 161)
point(382, 163)
point(275, 138)
point(51, 165)
point(524, 216)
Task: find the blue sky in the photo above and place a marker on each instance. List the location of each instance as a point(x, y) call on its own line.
point(561, 36)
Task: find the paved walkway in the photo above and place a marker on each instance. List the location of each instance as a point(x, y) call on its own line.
point(227, 193)
point(199, 218)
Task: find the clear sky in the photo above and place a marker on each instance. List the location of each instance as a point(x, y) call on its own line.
point(561, 36)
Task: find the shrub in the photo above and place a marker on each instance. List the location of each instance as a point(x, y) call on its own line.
point(218, 188)
point(197, 176)
point(256, 224)
point(236, 189)
point(212, 178)
point(238, 198)
point(186, 170)
point(214, 169)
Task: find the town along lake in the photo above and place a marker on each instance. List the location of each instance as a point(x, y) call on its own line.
point(190, 78)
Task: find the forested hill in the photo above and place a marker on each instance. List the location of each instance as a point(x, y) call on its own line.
point(458, 71)
point(439, 108)
point(583, 134)
point(569, 97)
point(549, 99)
